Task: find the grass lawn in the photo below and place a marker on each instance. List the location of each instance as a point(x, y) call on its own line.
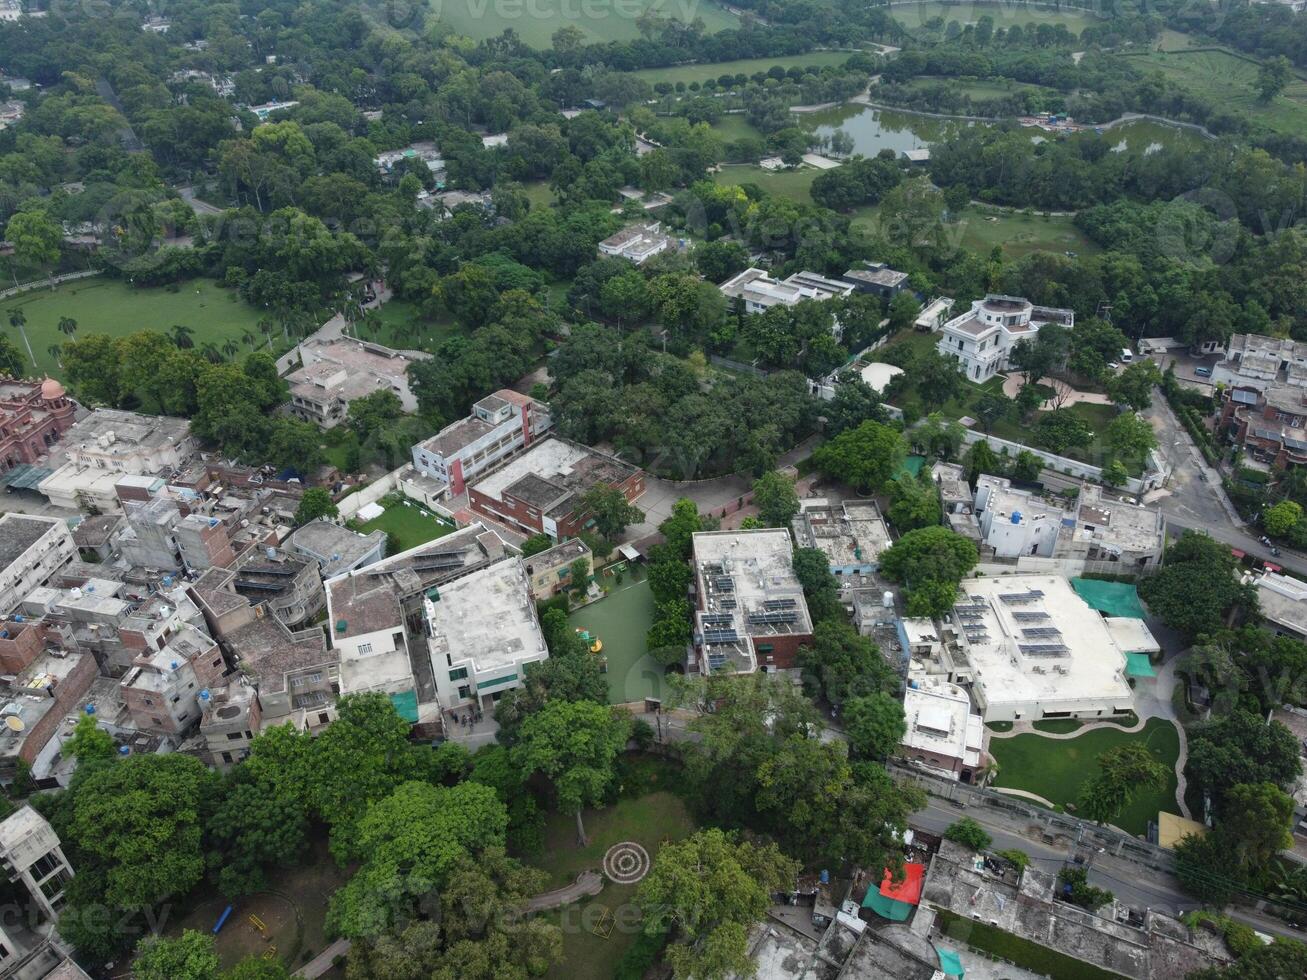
point(980, 229)
point(620, 622)
point(715, 69)
point(1229, 80)
point(539, 193)
point(913, 15)
point(794, 184)
point(736, 126)
point(409, 524)
point(397, 320)
point(1022, 952)
point(1056, 768)
point(600, 20)
point(977, 88)
point(109, 306)
point(1059, 726)
point(649, 820)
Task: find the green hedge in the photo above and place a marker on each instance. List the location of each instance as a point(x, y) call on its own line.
point(1022, 952)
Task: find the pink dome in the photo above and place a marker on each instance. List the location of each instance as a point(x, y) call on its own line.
point(51, 389)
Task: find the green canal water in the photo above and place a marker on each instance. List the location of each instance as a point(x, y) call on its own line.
point(621, 621)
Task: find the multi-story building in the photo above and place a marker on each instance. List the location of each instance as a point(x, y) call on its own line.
point(30, 852)
point(35, 701)
point(106, 446)
point(1015, 522)
point(336, 549)
point(851, 535)
point(1261, 363)
point(483, 632)
point(229, 719)
point(958, 501)
point(550, 571)
point(32, 549)
point(637, 243)
point(33, 415)
point(337, 371)
point(943, 733)
point(751, 612)
point(934, 315)
point(981, 339)
point(290, 584)
point(163, 687)
point(500, 425)
point(1269, 423)
point(759, 291)
point(541, 490)
point(877, 279)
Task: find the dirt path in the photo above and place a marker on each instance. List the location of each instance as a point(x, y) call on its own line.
point(587, 883)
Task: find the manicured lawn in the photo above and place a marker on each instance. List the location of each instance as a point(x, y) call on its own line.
point(1058, 726)
point(1022, 952)
point(620, 621)
point(913, 15)
point(539, 193)
point(109, 306)
point(649, 820)
point(1056, 768)
point(736, 126)
point(535, 22)
point(980, 229)
point(404, 328)
point(747, 66)
point(1229, 80)
point(977, 88)
point(794, 184)
point(410, 525)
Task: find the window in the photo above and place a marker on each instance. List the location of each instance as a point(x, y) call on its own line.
point(364, 648)
point(235, 736)
point(465, 692)
point(226, 757)
point(458, 675)
point(323, 718)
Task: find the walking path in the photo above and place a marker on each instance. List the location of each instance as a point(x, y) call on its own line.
point(334, 328)
point(321, 963)
point(1008, 791)
point(24, 287)
point(589, 882)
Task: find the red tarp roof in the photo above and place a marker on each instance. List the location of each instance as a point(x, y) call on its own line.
point(909, 889)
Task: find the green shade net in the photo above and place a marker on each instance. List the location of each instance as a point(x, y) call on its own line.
point(406, 703)
point(886, 908)
point(911, 466)
point(1138, 665)
point(950, 962)
point(1112, 598)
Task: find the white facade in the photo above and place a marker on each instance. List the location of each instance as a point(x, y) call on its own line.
point(1264, 363)
point(1015, 522)
point(30, 851)
point(760, 292)
point(483, 632)
point(637, 243)
point(500, 425)
point(981, 339)
point(943, 733)
point(31, 549)
point(1283, 602)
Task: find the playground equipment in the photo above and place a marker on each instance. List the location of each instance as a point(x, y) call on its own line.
point(258, 924)
point(222, 919)
point(604, 927)
point(595, 644)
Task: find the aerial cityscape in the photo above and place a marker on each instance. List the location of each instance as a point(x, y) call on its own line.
point(648, 490)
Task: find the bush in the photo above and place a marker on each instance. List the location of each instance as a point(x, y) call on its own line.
point(642, 734)
point(970, 834)
point(1020, 858)
point(640, 956)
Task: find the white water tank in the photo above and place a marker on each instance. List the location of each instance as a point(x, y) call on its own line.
point(887, 600)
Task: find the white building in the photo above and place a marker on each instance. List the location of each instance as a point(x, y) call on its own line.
point(339, 370)
point(982, 338)
point(1030, 648)
point(108, 445)
point(1264, 363)
point(934, 314)
point(268, 108)
point(483, 633)
point(31, 550)
point(760, 292)
point(31, 853)
point(500, 425)
point(1283, 603)
point(943, 733)
point(957, 499)
point(1016, 522)
point(637, 243)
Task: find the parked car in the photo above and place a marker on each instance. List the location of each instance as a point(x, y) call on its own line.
point(1203, 372)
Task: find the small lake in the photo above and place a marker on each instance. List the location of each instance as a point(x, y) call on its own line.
point(874, 129)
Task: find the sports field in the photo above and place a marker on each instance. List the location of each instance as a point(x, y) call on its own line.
point(913, 15)
point(745, 66)
point(794, 184)
point(980, 229)
point(600, 20)
point(1229, 81)
point(110, 306)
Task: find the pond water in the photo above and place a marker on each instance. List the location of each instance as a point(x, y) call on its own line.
point(620, 621)
point(1148, 137)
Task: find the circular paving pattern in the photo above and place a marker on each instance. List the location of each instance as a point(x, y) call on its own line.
point(626, 863)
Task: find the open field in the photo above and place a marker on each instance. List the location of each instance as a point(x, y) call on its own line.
point(794, 184)
point(978, 88)
point(600, 20)
point(736, 127)
point(620, 622)
point(913, 15)
point(1056, 768)
point(409, 524)
point(1229, 80)
point(403, 327)
point(110, 306)
point(980, 229)
point(649, 820)
point(747, 66)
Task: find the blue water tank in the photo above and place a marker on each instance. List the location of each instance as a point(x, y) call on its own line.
point(167, 581)
point(90, 709)
point(125, 750)
point(825, 877)
point(1016, 517)
point(204, 695)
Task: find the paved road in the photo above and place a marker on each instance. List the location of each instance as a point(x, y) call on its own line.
point(199, 207)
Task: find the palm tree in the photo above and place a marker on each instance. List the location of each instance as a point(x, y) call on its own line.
point(183, 337)
point(67, 326)
point(247, 338)
point(230, 347)
point(18, 320)
point(56, 351)
point(211, 353)
point(266, 327)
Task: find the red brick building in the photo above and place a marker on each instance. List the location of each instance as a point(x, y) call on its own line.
point(541, 490)
point(33, 415)
point(1270, 425)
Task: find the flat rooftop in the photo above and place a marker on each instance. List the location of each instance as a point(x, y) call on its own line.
point(336, 548)
point(348, 368)
point(940, 720)
point(486, 617)
point(1283, 600)
point(112, 432)
point(18, 532)
point(852, 533)
point(1034, 643)
point(1115, 523)
point(552, 473)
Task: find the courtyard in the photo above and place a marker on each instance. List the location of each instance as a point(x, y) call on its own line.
point(406, 523)
point(620, 621)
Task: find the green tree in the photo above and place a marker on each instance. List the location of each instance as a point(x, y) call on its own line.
point(536, 544)
point(1130, 436)
point(413, 840)
point(1281, 959)
point(36, 237)
point(574, 744)
point(820, 587)
point(189, 956)
point(1198, 586)
point(611, 512)
point(1272, 77)
point(89, 743)
point(931, 562)
point(914, 502)
point(315, 503)
point(1122, 774)
point(775, 498)
point(1115, 474)
point(1255, 822)
point(1132, 387)
point(669, 580)
point(18, 320)
point(842, 665)
point(257, 968)
point(254, 827)
point(1061, 430)
point(866, 457)
point(874, 724)
point(991, 407)
point(1241, 749)
point(711, 889)
point(969, 833)
point(1077, 890)
point(1279, 519)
